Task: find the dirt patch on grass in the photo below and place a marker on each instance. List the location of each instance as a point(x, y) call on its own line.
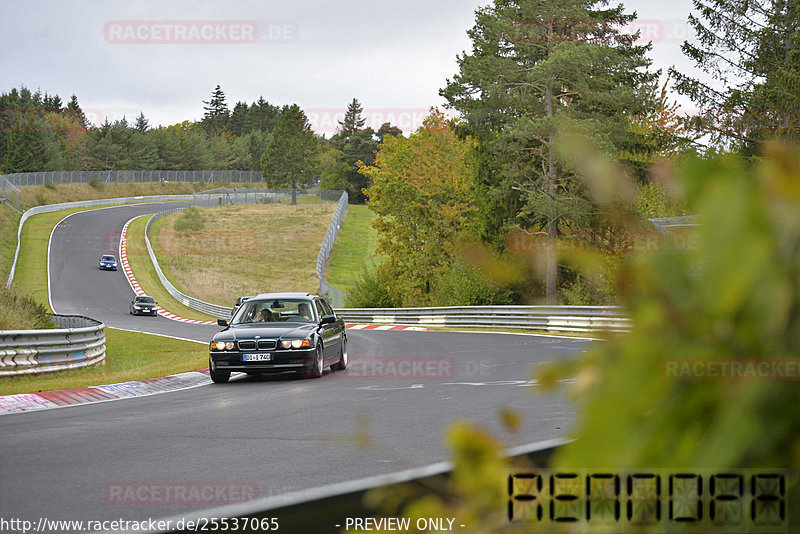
point(244, 250)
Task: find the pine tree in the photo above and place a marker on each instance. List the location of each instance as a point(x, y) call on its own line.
point(216, 113)
point(142, 124)
point(237, 124)
point(752, 50)
point(353, 121)
point(539, 67)
point(74, 109)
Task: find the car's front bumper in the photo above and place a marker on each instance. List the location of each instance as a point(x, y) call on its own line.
point(145, 312)
point(282, 360)
point(108, 267)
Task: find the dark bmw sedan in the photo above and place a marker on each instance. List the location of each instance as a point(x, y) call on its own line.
point(278, 332)
point(143, 305)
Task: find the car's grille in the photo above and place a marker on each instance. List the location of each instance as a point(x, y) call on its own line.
point(267, 344)
point(262, 344)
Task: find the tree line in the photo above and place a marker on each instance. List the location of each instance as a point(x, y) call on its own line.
point(38, 132)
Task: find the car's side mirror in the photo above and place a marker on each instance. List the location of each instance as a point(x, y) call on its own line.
point(328, 319)
point(222, 321)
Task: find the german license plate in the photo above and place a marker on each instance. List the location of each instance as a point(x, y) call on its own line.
point(261, 357)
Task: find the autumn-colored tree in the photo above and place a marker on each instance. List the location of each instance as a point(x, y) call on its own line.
point(422, 192)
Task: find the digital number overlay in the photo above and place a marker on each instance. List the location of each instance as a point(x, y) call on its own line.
point(733, 500)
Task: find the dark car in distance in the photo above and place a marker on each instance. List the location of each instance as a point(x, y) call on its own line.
point(108, 262)
point(279, 332)
point(144, 305)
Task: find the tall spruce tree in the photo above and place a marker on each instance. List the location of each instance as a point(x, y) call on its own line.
point(74, 109)
point(352, 121)
point(751, 48)
point(142, 124)
point(290, 157)
point(538, 67)
point(216, 113)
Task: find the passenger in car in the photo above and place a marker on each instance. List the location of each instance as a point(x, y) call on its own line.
point(266, 316)
point(304, 311)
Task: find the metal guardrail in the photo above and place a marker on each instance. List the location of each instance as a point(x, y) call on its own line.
point(335, 296)
point(547, 318)
point(24, 179)
point(667, 224)
point(79, 342)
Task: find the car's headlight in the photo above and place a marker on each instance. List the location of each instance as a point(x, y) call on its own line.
point(296, 343)
point(222, 345)
point(135, 307)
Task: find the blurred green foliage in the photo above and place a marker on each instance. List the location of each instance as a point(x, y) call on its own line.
point(735, 296)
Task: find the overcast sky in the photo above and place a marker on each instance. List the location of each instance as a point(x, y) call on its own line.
point(165, 57)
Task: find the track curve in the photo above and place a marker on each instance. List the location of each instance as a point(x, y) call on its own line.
point(275, 433)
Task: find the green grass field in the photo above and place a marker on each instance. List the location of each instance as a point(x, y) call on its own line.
point(353, 249)
point(237, 250)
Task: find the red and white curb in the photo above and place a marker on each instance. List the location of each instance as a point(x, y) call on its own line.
point(123, 258)
point(385, 327)
point(28, 402)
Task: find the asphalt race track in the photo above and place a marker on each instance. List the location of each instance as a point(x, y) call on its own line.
point(274, 434)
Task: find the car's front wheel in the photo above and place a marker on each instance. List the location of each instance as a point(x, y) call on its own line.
point(218, 377)
point(318, 364)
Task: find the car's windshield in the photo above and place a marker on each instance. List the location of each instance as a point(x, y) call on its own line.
point(145, 300)
point(274, 311)
point(107, 258)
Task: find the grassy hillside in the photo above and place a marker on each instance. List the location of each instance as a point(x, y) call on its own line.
point(219, 253)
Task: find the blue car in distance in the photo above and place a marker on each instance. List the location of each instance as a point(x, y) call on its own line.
point(108, 262)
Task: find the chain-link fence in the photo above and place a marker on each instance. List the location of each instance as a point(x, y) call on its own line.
point(24, 179)
point(9, 194)
point(335, 296)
